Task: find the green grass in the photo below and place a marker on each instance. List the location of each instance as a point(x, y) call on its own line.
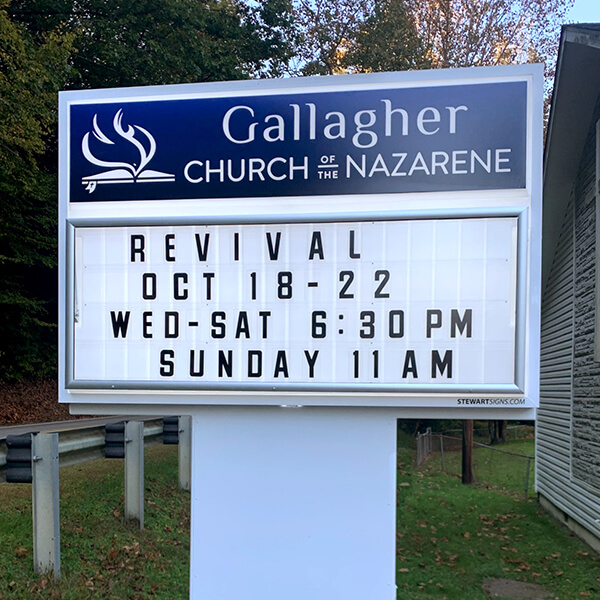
point(101, 556)
point(491, 466)
point(450, 538)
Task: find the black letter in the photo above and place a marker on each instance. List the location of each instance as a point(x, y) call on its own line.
point(311, 360)
point(120, 323)
point(208, 277)
point(264, 315)
point(135, 249)
point(147, 324)
point(225, 364)
point(168, 366)
point(273, 251)
point(431, 324)
point(149, 291)
point(202, 250)
point(218, 330)
point(352, 252)
point(199, 372)
point(410, 365)
point(457, 323)
point(251, 371)
point(281, 364)
point(242, 325)
point(169, 246)
point(236, 246)
point(442, 365)
point(177, 293)
point(174, 316)
point(316, 246)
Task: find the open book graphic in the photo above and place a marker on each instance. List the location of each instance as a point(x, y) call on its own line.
point(122, 172)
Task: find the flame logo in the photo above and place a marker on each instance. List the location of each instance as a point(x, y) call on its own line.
point(122, 172)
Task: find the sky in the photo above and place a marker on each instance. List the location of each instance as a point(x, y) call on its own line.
point(585, 11)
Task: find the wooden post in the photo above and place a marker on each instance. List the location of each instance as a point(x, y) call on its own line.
point(467, 452)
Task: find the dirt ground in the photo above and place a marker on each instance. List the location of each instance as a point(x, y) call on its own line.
point(31, 402)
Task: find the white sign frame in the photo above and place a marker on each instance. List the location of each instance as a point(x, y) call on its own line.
point(524, 204)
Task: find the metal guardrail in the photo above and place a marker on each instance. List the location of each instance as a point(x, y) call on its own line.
point(79, 445)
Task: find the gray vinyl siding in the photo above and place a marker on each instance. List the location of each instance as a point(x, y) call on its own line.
point(556, 377)
point(585, 413)
point(568, 427)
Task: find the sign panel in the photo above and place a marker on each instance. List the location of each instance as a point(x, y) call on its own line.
point(354, 240)
point(332, 306)
point(386, 140)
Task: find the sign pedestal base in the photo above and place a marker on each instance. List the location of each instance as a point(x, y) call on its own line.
point(293, 503)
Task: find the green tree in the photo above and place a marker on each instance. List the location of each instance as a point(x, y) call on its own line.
point(388, 40)
point(325, 30)
point(30, 75)
point(141, 42)
point(46, 46)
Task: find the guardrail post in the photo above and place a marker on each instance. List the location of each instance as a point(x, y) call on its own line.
point(46, 515)
point(134, 472)
point(185, 453)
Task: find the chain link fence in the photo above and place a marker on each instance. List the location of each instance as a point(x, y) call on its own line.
point(493, 466)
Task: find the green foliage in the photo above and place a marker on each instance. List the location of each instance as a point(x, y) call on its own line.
point(451, 537)
point(388, 40)
point(509, 468)
point(46, 46)
point(141, 42)
point(355, 36)
point(325, 32)
point(30, 75)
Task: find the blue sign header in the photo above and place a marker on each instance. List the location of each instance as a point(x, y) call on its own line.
point(372, 141)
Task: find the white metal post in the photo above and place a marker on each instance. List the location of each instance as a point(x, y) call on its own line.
point(46, 514)
point(185, 453)
point(134, 472)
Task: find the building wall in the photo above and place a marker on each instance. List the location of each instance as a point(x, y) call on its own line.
point(568, 455)
point(585, 415)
